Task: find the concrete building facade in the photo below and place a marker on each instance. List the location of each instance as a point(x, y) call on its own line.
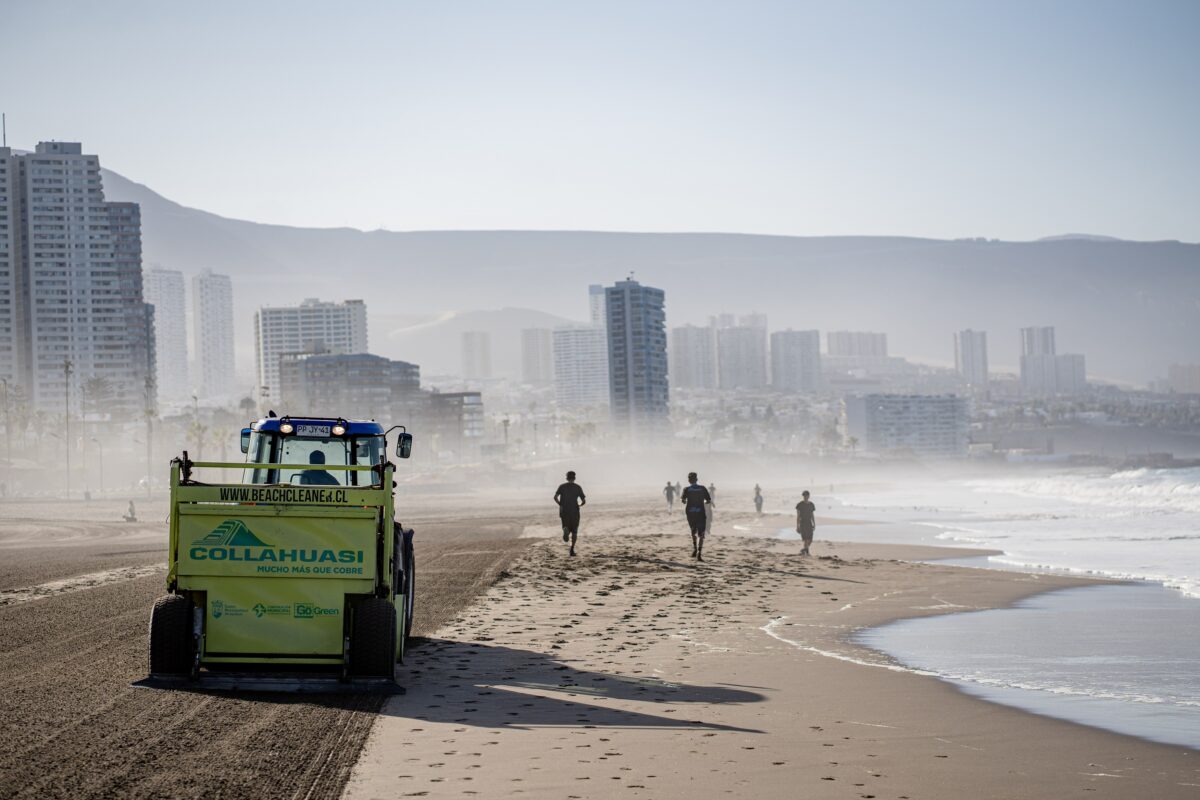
point(580, 366)
point(212, 334)
point(9, 263)
point(596, 313)
point(311, 327)
point(164, 289)
point(1038, 341)
point(1184, 378)
point(742, 357)
point(1046, 373)
point(354, 386)
point(71, 299)
point(637, 356)
point(933, 426)
point(971, 358)
point(694, 357)
point(796, 360)
point(537, 356)
point(859, 344)
point(476, 355)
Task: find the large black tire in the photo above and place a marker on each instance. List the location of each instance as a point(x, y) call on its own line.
point(410, 584)
point(373, 640)
point(171, 636)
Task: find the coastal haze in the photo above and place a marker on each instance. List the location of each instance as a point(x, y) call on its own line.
point(936, 268)
point(1130, 305)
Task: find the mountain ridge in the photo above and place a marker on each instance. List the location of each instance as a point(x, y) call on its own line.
point(1131, 307)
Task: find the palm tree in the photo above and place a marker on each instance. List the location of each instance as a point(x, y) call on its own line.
point(197, 431)
point(97, 392)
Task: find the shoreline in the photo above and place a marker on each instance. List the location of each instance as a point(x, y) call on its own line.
point(683, 691)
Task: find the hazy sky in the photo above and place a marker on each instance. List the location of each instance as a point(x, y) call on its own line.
point(1004, 119)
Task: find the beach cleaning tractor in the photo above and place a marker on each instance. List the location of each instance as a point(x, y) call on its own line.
point(296, 578)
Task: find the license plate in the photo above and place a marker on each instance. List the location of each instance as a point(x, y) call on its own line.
point(312, 430)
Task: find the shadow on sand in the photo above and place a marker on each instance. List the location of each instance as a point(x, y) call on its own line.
point(472, 683)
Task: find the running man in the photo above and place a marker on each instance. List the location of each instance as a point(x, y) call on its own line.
point(806, 521)
point(669, 493)
point(696, 501)
point(758, 499)
point(569, 498)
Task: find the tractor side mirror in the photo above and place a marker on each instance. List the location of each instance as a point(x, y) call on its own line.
point(245, 440)
point(404, 445)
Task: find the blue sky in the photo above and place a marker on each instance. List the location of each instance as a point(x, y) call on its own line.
point(946, 119)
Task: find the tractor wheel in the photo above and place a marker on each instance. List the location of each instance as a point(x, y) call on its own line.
point(410, 585)
point(373, 640)
point(171, 636)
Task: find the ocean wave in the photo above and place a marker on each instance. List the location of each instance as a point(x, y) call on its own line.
point(1143, 489)
point(1186, 585)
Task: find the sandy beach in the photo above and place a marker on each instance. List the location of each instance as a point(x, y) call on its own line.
point(633, 671)
point(628, 671)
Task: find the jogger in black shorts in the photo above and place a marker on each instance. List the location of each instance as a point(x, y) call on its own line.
point(569, 498)
point(694, 497)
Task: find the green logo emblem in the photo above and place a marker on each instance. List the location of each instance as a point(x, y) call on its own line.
point(218, 609)
point(312, 610)
point(231, 533)
point(259, 610)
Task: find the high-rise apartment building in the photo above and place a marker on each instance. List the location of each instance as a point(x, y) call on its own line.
point(970, 358)
point(1184, 378)
point(796, 360)
point(1046, 373)
point(537, 356)
point(212, 333)
point(857, 344)
point(719, 321)
point(898, 424)
point(596, 315)
point(580, 366)
point(637, 355)
point(742, 357)
point(164, 289)
point(9, 203)
point(311, 327)
point(1038, 341)
point(70, 271)
point(476, 355)
point(694, 357)
point(357, 385)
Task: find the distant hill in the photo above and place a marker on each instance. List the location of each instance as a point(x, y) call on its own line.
point(436, 344)
point(1090, 237)
point(1131, 307)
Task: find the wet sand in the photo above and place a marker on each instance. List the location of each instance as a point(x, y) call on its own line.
point(633, 671)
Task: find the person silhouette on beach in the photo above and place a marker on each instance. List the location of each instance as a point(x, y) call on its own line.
point(696, 501)
point(569, 498)
point(669, 493)
point(758, 499)
point(806, 521)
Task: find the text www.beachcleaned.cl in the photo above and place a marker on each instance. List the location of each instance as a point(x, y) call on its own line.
point(280, 494)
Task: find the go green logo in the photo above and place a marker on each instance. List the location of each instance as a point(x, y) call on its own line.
point(312, 610)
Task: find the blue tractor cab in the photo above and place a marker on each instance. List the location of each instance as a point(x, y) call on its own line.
point(315, 441)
